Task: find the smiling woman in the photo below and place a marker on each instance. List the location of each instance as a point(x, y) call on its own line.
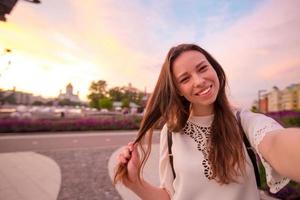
point(196, 80)
point(207, 156)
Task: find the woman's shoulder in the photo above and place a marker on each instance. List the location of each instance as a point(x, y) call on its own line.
point(238, 109)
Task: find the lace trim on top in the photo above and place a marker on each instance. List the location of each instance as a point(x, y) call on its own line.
point(274, 180)
point(200, 135)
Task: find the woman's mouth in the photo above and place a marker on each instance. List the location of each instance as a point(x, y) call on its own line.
point(204, 92)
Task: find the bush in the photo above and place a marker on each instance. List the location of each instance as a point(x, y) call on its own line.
point(286, 118)
point(128, 122)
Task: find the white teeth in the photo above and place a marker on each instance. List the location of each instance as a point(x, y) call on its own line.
point(205, 91)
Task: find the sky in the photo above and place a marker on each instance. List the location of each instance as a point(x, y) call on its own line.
point(70, 41)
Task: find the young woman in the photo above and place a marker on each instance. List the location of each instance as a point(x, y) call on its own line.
point(209, 155)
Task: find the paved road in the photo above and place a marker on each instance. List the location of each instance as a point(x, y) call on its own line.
point(67, 140)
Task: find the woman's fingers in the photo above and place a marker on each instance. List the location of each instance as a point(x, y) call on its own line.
point(122, 159)
point(129, 155)
point(130, 146)
point(125, 155)
point(135, 158)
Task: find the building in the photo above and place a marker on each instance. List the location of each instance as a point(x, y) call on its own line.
point(69, 94)
point(16, 97)
point(279, 100)
point(290, 97)
point(274, 100)
point(263, 103)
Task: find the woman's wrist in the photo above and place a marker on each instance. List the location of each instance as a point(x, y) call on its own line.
point(134, 185)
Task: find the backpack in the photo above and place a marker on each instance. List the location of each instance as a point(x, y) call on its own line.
point(250, 151)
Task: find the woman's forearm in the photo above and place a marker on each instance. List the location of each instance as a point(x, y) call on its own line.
point(283, 152)
point(146, 191)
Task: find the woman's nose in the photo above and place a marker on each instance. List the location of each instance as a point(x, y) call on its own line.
point(198, 81)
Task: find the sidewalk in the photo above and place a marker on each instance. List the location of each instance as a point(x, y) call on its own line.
point(28, 176)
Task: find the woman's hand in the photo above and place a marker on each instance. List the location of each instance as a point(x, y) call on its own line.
point(129, 157)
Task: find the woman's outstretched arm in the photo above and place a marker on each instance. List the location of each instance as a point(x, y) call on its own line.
point(281, 148)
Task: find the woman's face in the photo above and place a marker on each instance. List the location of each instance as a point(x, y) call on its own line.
point(196, 79)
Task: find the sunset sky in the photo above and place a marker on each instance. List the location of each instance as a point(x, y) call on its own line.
point(62, 41)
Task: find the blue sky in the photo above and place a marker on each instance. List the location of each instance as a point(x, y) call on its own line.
point(62, 41)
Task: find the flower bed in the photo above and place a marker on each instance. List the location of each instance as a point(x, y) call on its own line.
point(286, 118)
point(121, 122)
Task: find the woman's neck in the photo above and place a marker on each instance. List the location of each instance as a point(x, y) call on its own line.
point(197, 110)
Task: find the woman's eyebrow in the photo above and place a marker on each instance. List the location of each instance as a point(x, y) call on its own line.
point(201, 63)
point(198, 65)
point(181, 75)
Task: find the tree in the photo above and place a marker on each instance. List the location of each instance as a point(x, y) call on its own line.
point(68, 102)
point(49, 103)
point(125, 103)
point(254, 109)
point(132, 94)
point(37, 103)
point(116, 94)
point(97, 91)
point(105, 103)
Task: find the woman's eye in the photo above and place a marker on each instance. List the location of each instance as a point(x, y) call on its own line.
point(202, 68)
point(183, 80)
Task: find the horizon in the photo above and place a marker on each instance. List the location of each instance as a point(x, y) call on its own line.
point(62, 41)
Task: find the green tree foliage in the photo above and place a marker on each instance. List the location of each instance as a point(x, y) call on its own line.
point(68, 102)
point(37, 103)
point(291, 121)
point(116, 93)
point(125, 103)
point(125, 94)
point(254, 109)
point(49, 103)
point(105, 103)
point(97, 91)
point(132, 94)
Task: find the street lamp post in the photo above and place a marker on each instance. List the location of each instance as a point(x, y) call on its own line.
point(259, 95)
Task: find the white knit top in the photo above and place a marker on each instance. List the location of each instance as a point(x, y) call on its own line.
point(193, 173)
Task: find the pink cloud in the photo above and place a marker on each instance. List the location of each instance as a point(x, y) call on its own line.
point(260, 50)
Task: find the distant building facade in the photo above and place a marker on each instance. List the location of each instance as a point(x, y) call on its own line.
point(274, 100)
point(263, 103)
point(16, 97)
point(279, 100)
point(69, 94)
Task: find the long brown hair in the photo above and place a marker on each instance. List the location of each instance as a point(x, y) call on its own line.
point(226, 153)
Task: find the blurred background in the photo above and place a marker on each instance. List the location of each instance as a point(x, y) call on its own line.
point(69, 58)
point(92, 65)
